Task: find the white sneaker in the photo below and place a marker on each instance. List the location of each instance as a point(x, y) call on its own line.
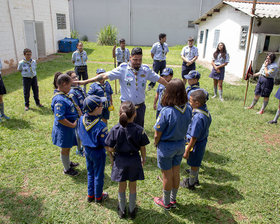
point(221, 99)
point(214, 96)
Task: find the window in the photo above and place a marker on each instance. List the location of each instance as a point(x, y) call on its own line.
point(190, 24)
point(216, 38)
point(201, 36)
point(243, 37)
point(61, 21)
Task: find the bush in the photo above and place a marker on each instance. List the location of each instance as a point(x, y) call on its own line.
point(74, 34)
point(84, 38)
point(107, 35)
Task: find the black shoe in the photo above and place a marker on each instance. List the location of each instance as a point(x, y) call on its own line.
point(196, 183)
point(272, 122)
point(71, 172)
point(103, 197)
point(39, 105)
point(185, 183)
point(90, 199)
point(188, 171)
point(133, 213)
point(26, 108)
point(72, 164)
point(122, 214)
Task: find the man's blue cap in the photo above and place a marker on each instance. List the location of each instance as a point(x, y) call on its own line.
point(100, 70)
point(167, 71)
point(92, 101)
point(193, 74)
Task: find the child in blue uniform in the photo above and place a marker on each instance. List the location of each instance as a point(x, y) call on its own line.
point(102, 89)
point(170, 131)
point(125, 140)
point(197, 135)
point(92, 132)
point(274, 121)
point(65, 120)
point(2, 92)
point(79, 95)
point(167, 74)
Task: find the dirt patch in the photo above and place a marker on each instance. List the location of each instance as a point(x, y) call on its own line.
point(271, 140)
point(241, 217)
point(25, 191)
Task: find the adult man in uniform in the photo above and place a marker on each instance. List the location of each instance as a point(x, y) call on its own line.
point(133, 77)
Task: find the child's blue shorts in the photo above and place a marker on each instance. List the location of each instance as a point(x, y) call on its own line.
point(196, 156)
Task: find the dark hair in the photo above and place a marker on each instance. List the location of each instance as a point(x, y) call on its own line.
point(161, 35)
point(272, 57)
point(63, 78)
point(70, 73)
point(127, 110)
point(26, 50)
point(80, 43)
point(200, 96)
point(174, 94)
point(122, 40)
point(55, 79)
point(223, 52)
point(136, 51)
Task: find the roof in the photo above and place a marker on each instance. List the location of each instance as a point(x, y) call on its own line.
point(263, 9)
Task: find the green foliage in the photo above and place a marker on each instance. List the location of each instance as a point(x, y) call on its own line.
point(74, 34)
point(107, 35)
point(84, 38)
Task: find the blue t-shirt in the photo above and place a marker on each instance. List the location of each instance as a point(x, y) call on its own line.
point(193, 88)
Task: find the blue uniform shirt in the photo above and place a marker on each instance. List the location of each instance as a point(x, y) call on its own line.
point(272, 70)
point(173, 122)
point(193, 88)
point(133, 85)
point(79, 58)
point(79, 95)
point(100, 90)
point(92, 131)
point(27, 68)
point(220, 60)
point(160, 91)
point(122, 55)
point(159, 51)
point(189, 53)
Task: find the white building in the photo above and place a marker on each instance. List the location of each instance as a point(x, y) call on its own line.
point(139, 22)
point(34, 24)
point(229, 21)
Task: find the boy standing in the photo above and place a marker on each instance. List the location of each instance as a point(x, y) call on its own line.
point(197, 135)
point(2, 92)
point(27, 67)
point(121, 53)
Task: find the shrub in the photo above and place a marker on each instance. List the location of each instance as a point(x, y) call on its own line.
point(107, 35)
point(74, 34)
point(84, 38)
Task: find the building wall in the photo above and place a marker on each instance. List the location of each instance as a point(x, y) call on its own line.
point(229, 22)
point(139, 22)
point(21, 10)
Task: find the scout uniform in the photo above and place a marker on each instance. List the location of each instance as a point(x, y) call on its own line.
point(29, 77)
point(93, 132)
point(80, 59)
point(173, 122)
point(63, 107)
point(219, 61)
point(133, 85)
point(102, 90)
point(189, 53)
point(2, 92)
point(122, 55)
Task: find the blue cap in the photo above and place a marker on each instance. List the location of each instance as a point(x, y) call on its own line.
point(193, 74)
point(100, 70)
point(167, 71)
point(92, 101)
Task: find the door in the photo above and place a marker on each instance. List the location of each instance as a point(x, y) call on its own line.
point(40, 37)
point(30, 37)
point(205, 43)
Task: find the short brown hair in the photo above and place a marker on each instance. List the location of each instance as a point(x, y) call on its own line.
point(26, 50)
point(200, 96)
point(174, 94)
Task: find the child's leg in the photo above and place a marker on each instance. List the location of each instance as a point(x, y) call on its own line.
point(90, 175)
point(121, 196)
point(276, 115)
point(254, 102)
point(2, 114)
point(167, 179)
point(176, 182)
point(215, 82)
point(265, 102)
point(79, 150)
point(65, 158)
point(99, 160)
point(132, 195)
point(35, 90)
point(193, 175)
point(26, 90)
point(220, 84)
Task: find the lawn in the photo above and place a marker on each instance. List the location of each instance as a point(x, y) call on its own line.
point(240, 174)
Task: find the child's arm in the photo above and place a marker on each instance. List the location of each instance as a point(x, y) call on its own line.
point(189, 147)
point(110, 154)
point(157, 137)
point(111, 100)
point(143, 155)
point(155, 101)
point(67, 123)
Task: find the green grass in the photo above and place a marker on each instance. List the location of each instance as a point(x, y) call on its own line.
point(239, 176)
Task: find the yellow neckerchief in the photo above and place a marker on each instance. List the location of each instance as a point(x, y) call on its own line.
point(191, 87)
point(89, 126)
point(80, 88)
point(29, 64)
point(69, 97)
point(180, 109)
point(202, 112)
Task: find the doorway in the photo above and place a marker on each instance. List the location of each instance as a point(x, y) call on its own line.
point(205, 43)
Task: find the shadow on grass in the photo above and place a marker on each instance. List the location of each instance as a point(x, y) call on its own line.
point(19, 207)
point(219, 175)
point(16, 124)
point(197, 213)
point(213, 157)
point(46, 110)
